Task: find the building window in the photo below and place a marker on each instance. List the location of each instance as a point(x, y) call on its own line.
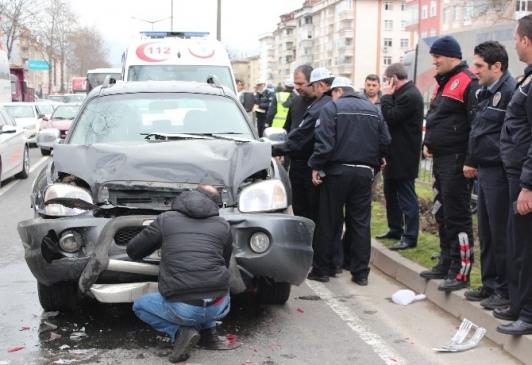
point(457, 12)
point(289, 31)
point(403, 6)
point(308, 20)
point(404, 43)
point(433, 8)
point(388, 24)
point(387, 42)
point(403, 24)
point(388, 5)
point(446, 12)
point(424, 12)
point(468, 15)
point(424, 34)
point(387, 60)
point(433, 32)
point(523, 5)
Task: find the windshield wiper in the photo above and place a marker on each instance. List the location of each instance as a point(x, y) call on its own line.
point(169, 136)
point(59, 118)
point(216, 135)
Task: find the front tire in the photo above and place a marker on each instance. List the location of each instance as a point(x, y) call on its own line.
point(25, 165)
point(60, 296)
point(269, 291)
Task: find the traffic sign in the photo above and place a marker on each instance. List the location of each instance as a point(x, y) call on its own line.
point(38, 65)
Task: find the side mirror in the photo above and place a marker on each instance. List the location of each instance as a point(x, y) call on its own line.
point(277, 136)
point(248, 100)
point(45, 118)
point(8, 129)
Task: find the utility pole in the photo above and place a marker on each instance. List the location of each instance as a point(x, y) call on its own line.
point(219, 21)
point(171, 15)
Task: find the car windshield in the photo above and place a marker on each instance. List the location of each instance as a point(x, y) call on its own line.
point(20, 111)
point(45, 109)
point(56, 98)
point(131, 117)
point(74, 98)
point(180, 72)
point(65, 112)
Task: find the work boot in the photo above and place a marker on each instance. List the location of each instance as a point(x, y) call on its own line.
point(478, 294)
point(452, 284)
point(209, 339)
point(186, 338)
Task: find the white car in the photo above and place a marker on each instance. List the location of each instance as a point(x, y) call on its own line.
point(27, 116)
point(14, 153)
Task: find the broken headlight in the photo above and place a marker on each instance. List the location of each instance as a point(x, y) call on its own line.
point(263, 196)
point(66, 200)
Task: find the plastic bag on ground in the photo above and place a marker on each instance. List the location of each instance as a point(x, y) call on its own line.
point(406, 296)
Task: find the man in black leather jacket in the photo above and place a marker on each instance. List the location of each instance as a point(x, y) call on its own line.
point(196, 247)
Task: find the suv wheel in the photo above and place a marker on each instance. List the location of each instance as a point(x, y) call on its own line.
point(60, 296)
point(271, 292)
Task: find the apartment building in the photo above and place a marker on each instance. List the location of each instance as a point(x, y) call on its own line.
point(423, 18)
point(352, 38)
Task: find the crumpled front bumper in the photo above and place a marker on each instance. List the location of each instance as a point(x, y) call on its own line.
point(287, 260)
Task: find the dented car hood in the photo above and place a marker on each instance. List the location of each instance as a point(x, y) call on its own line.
point(217, 162)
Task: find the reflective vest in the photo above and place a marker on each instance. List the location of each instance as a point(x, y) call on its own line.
point(282, 112)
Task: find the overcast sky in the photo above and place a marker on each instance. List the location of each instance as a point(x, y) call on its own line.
point(242, 20)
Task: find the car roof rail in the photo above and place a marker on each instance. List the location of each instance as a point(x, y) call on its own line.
point(109, 80)
point(213, 80)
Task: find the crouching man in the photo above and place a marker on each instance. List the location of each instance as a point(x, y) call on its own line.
point(196, 246)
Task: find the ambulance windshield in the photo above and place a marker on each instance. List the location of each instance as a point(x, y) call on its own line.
point(180, 73)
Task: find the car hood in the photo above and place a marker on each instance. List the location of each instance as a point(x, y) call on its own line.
point(217, 162)
point(63, 124)
point(25, 121)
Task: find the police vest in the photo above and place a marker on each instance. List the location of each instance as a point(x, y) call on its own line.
point(282, 112)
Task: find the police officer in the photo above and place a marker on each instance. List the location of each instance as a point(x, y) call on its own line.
point(351, 137)
point(490, 64)
point(449, 119)
point(264, 99)
point(300, 146)
point(284, 99)
point(516, 147)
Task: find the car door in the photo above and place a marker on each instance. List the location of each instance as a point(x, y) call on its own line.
point(8, 146)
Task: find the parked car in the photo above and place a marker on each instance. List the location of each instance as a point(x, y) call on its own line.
point(28, 116)
point(56, 128)
point(133, 148)
point(14, 152)
point(74, 98)
point(56, 98)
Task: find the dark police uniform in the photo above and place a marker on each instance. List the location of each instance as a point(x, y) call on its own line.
point(449, 119)
point(351, 137)
point(516, 153)
point(265, 100)
point(493, 203)
point(300, 145)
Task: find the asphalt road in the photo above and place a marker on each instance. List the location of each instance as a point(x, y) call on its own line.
point(322, 323)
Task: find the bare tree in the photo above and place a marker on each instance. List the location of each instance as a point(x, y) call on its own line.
point(88, 51)
point(65, 30)
point(18, 17)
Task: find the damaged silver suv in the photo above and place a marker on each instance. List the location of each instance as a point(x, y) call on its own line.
point(131, 150)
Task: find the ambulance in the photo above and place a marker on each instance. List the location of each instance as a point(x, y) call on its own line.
point(187, 56)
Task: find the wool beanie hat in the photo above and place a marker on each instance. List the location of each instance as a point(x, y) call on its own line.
point(446, 46)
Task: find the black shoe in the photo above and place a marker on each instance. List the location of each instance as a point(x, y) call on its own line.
point(452, 284)
point(402, 245)
point(339, 270)
point(516, 328)
point(495, 301)
point(393, 236)
point(361, 282)
point(508, 314)
point(435, 273)
point(315, 277)
point(478, 294)
point(186, 338)
point(209, 339)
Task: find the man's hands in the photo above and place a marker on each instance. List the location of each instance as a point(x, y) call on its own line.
point(524, 202)
point(388, 88)
point(470, 172)
point(426, 152)
point(316, 179)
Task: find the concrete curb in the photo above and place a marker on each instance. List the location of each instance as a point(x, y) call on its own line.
point(407, 273)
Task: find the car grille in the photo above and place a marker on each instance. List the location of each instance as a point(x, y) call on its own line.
point(123, 236)
point(133, 200)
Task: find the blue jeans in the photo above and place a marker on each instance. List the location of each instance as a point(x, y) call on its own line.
point(402, 209)
point(167, 316)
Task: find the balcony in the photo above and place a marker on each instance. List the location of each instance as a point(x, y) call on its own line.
point(305, 59)
point(309, 42)
point(345, 69)
point(346, 33)
point(346, 15)
point(345, 51)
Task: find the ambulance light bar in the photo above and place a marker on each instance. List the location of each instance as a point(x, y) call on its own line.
point(185, 35)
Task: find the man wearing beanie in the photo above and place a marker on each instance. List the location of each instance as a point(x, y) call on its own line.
point(451, 112)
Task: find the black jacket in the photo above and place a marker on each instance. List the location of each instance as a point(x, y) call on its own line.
point(265, 100)
point(301, 140)
point(296, 112)
point(516, 138)
point(485, 137)
point(451, 112)
point(196, 246)
point(403, 113)
point(350, 130)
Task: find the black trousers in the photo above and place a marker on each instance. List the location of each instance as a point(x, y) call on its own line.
point(453, 215)
point(352, 189)
point(493, 209)
point(519, 255)
point(261, 123)
point(305, 195)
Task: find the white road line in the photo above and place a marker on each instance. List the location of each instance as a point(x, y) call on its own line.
point(13, 182)
point(379, 346)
